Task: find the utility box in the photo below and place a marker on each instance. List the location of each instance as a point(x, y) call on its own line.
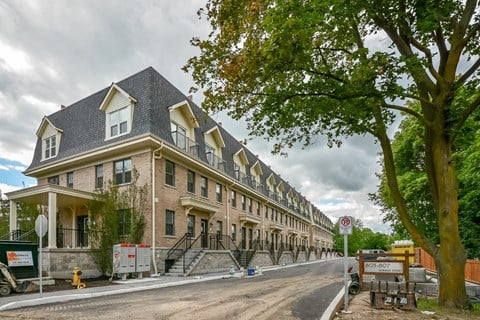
point(400, 246)
point(143, 258)
point(124, 258)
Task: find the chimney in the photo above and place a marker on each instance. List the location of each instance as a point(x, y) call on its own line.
point(219, 124)
point(190, 97)
point(62, 107)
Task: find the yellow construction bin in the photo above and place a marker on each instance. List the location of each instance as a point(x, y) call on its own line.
point(400, 246)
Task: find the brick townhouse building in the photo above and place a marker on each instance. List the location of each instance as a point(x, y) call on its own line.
point(208, 193)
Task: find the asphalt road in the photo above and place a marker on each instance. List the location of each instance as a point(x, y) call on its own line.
point(299, 292)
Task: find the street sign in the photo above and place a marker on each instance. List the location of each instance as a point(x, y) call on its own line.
point(41, 225)
point(345, 225)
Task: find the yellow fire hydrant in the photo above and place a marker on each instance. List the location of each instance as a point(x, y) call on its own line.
point(77, 281)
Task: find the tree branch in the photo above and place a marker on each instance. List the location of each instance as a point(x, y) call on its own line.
point(469, 72)
point(406, 110)
point(465, 114)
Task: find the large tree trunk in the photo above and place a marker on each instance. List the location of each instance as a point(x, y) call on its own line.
point(450, 256)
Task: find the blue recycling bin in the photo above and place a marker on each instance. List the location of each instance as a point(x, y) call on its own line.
point(251, 271)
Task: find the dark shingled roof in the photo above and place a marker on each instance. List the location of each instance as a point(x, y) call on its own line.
point(83, 124)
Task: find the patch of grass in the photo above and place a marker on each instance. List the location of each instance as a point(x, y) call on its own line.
point(432, 305)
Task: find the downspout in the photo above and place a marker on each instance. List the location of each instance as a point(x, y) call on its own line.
point(154, 199)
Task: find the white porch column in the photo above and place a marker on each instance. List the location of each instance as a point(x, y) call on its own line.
point(52, 220)
point(13, 217)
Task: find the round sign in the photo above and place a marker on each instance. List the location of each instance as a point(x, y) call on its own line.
point(345, 221)
point(41, 225)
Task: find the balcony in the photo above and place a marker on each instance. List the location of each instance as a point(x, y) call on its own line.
point(185, 144)
point(216, 162)
point(249, 218)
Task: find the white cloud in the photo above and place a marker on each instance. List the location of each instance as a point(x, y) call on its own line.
point(5, 188)
point(13, 59)
point(71, 49)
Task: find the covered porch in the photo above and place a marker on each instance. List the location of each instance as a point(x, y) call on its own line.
point(65, 208)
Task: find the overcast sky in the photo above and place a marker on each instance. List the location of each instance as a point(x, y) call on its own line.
point(58, 52)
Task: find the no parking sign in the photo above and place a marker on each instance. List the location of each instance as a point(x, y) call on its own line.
point(346, 225)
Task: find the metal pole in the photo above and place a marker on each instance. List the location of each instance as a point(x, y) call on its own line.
point(40, 258)
point(345, 269)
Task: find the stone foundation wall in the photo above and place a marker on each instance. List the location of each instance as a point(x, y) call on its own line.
point(286, 258)
point(262, 259)
point(215, 261)
point(302, 257)
point(59, 263)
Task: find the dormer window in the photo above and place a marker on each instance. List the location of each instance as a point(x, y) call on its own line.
point(179, 135)
point(118, 107)
point(210, 152)
point(50, 136)
point(118, 122)
point(50, 147)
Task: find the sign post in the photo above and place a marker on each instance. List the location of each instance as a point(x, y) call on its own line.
point(41, 227)
point(345, 229)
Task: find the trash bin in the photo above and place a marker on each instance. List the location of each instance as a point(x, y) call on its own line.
point(354, 287)
point(251, 271)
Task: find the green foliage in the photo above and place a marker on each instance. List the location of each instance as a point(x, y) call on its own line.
point(361, 238)
point(4, 217)
point(299, 69)
point(105, 224)
point(409, 155)
point(432, 305)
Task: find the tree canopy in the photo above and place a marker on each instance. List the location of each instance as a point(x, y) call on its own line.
point(296, 69)
point(409, 154)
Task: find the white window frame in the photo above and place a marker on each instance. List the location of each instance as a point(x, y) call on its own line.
point(49, 144)
point(117, 118)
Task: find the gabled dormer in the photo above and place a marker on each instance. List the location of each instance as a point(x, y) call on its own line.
point(271, 185)
point(213, 148)
point(118, 107)
point(256, 173)
point(240, 163)
point(280, 190)
point(183, 123)
point(50, 137)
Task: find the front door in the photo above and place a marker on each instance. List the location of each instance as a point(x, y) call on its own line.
point(82, 231)
point(204, 231)
point(244, 238)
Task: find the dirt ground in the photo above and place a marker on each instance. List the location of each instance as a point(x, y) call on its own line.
point(359, 308)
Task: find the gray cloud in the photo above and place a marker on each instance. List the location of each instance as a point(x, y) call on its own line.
point(58, 52)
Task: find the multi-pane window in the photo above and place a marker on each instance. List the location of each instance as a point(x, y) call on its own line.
point(234, 232)
point(50, 147)
point(118, 122)
point(191, 225)
point(258, 208)
point(169, 223)
point(124, 222)
point(99, 176)
point(191, 181)
point(244, 203)
point(234, 199)
point(218, 192)
point(169, 173)
point(70, 179)
point(123, 171)
point(179, 135)
point(204, 187)
point(54, 180)
point(250, 208)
